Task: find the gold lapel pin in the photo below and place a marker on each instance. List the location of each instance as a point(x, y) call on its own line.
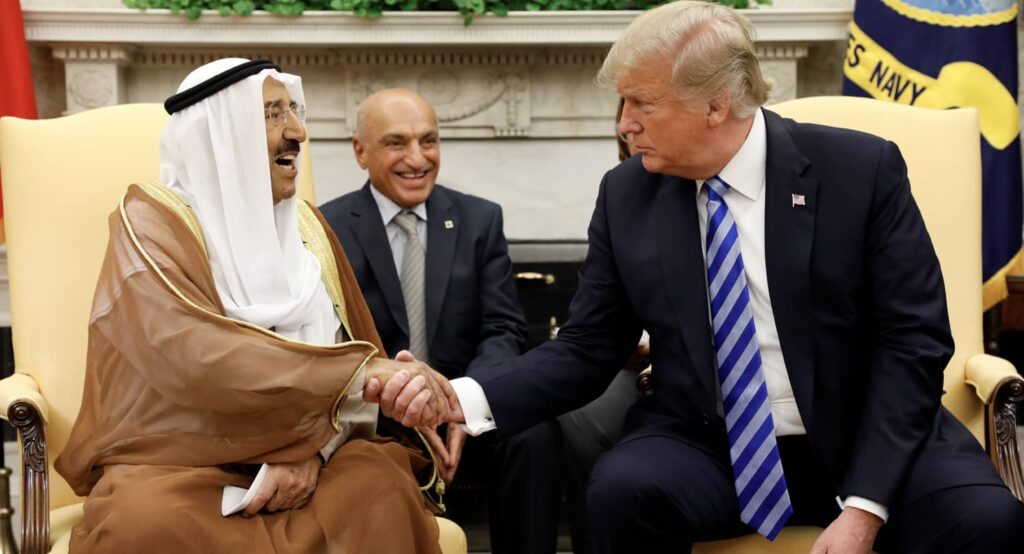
point(449, 224)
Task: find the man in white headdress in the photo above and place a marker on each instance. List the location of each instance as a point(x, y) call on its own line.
point(227, 336)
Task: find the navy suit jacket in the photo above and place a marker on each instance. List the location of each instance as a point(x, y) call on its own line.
point(855, 287)
point(473, 315)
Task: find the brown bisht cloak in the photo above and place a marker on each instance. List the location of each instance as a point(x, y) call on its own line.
point(178, 398)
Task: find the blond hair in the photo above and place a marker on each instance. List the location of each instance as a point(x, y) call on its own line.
point(711, 47)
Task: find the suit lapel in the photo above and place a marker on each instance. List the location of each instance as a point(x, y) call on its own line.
point(682, 269)
point(369, 231)
point(789, 232)
point(442, 235)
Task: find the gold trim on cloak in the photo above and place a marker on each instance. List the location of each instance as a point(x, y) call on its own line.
point(182, 210)
point(315, 240)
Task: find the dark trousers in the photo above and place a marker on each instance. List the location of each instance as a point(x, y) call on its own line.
point(522, 479)
point(587, 434)
point(660, 493)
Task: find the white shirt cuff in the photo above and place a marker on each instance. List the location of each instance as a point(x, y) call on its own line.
point(474, 406)
point(869, 506)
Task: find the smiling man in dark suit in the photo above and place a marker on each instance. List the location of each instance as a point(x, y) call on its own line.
point(433, 266)
point(797, 319)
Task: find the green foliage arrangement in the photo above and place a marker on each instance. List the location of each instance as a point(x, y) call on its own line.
point(374, 8)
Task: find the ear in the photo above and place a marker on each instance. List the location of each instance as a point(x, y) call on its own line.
point(718, 109)
point(360, 151)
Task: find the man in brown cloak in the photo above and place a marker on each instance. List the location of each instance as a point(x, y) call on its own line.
point(228, 331)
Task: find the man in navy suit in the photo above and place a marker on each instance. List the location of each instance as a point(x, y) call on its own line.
point(797, 321)
point(433, 266)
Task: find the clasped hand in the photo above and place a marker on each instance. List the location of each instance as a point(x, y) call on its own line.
point(408, 391)
point(415, 395)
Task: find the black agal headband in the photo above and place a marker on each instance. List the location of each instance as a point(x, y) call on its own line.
point(215, 84)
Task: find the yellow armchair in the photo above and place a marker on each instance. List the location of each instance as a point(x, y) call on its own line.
point(61, 178)
point(943, 155)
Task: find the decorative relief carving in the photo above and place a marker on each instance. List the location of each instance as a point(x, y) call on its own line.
point(438, 87)
point(478, 94)
point(111, 53)
point(821, 72)
point(48, 80)
point(366, 84)
point(91, 88)
point(594, 56)
point(435, 58)
point(458, 109)
point(25, 418)
point(35, 532)
point(515, 89)
point(1002, 439)
point(780, 51)
point(484, 93)
point(196, 58)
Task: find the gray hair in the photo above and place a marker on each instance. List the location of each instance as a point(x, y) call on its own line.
point(712, 47)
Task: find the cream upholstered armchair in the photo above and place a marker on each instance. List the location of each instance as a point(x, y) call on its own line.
point(943, 155)
point(61, 178)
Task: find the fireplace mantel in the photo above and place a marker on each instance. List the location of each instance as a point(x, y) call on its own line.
point(521, 120)
point(337, 29)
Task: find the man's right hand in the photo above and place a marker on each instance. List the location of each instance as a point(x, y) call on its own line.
point(408, 391)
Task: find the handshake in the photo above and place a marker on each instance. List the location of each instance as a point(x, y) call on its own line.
point(415, 395)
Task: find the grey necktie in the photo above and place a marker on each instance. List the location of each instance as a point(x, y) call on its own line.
point(412, 285)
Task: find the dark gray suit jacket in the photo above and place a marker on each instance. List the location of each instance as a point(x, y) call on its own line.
point(474, 318)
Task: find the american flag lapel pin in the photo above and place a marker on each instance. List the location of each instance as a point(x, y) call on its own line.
point(799, 200)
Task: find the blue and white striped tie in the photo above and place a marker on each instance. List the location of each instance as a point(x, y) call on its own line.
point(756, 465)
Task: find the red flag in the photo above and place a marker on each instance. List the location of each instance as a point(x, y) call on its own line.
point(16, 95)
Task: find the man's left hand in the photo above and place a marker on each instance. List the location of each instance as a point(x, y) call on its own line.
point(853, 532)
point(286, 486)
point(456, 440)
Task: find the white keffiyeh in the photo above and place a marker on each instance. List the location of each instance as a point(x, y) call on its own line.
point(214, 155)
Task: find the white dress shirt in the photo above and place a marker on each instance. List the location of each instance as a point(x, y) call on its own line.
point(396, 236)
point(745, 175)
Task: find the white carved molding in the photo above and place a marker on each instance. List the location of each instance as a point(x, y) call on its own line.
point(783, 51)
point(596, 28)
point(521, 120)
point(94, 74)
point(528, 74)
point(96, 53)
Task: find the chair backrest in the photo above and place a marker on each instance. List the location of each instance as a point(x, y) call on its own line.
point(61, 179)
point(943, 153)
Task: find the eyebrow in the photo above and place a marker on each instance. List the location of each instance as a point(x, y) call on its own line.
point(276, 103)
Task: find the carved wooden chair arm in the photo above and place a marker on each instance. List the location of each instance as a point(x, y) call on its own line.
point(26, 409)
point(1001, 388)
point(21, 387)
point(986, 374)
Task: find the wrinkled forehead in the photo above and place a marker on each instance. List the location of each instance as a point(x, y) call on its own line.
point(292, 84)
point(276, 94)
point(401, 115)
